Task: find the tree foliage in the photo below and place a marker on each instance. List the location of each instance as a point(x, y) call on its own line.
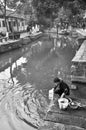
point(47, 8)
point(63, 9)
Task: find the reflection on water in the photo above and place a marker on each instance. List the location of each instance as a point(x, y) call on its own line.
point(26, 75)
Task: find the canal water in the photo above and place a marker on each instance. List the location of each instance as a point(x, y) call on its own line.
point(27, 74)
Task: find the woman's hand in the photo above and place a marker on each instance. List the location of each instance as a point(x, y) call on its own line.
point(63, 94)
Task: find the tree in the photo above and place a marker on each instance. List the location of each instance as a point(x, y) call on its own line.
point(52, 8)
point(14, 4)
point(46, 9)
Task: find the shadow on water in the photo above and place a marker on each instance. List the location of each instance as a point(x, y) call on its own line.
point(25, 78)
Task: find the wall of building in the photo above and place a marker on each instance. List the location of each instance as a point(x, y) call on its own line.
point(2, 26)
point(13, 24)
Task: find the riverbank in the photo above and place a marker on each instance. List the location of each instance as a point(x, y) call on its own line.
point(77, 30)
point(25, 38)
point(69, 119)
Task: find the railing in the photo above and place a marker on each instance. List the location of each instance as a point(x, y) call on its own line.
point(78, 79)
point(15, 35)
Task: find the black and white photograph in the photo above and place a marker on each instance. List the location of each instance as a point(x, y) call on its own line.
point(42, 65)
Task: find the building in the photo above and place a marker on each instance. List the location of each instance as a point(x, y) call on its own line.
point(15, 22)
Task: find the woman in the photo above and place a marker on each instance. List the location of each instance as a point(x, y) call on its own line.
point(61, 88)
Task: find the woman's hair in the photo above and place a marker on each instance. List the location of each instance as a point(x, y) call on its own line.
point(56, 80)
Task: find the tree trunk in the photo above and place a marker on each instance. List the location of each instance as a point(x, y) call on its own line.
point(5, 15)
point(17, 25)
point(57, 30)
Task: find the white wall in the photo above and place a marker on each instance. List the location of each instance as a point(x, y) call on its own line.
point(2, 29)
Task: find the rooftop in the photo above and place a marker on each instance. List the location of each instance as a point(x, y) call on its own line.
point(14, 14)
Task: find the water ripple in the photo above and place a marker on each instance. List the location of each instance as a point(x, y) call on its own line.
point(26, 103)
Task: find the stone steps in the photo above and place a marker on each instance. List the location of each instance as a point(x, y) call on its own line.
point(59, 126)
point(66, 119)
point(70, 119)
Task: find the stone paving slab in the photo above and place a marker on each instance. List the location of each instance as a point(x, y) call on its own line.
point(68, 117)
point(80, 112)
point(58, 126)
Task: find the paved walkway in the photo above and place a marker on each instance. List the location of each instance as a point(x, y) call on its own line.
point(25, 34)
point(81, 31)
point(22, 35)
point(69, 119)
